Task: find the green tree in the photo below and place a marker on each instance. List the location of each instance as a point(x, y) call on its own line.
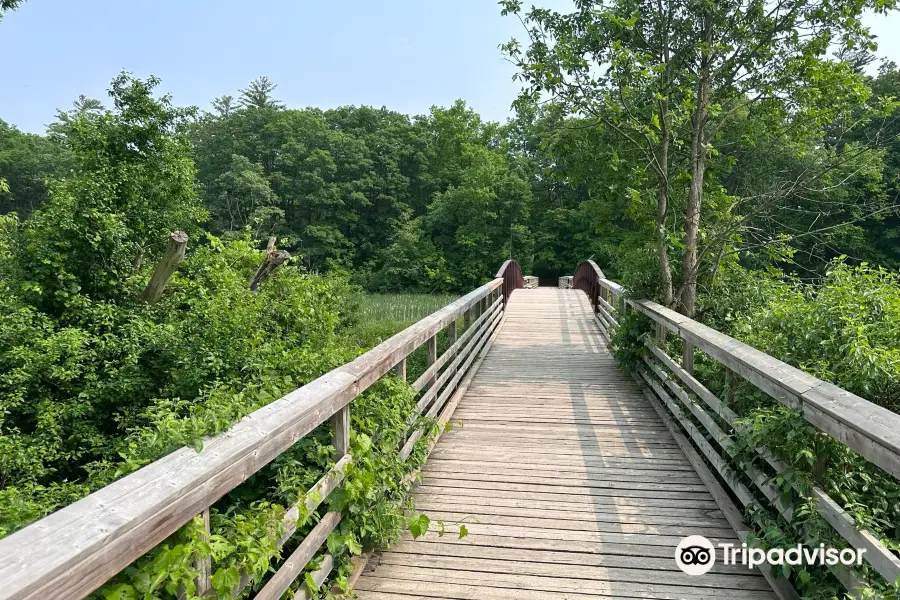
point(27, 161)
point(619, 65)
point(7, 5)
point(259, 94)
point(241, 197)
point(131, 185)
point(682, 72)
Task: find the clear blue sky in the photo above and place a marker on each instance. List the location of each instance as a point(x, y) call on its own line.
point(405, 54)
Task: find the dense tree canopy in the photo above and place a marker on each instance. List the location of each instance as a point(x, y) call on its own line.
point(435, 202)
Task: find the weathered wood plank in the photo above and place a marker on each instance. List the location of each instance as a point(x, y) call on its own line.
point(444, 583)
point(572, 559)
point(636, 572)
point(554, 451)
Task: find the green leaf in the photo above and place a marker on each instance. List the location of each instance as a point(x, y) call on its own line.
point(418, 526)
point(123, 591)
point(224, 580)
point(353, 545)
point(463, 531)
point(310, 584)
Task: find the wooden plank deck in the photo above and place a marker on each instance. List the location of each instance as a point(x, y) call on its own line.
point(566, 478)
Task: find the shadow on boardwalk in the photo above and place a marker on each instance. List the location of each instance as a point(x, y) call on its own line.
point(568, 482)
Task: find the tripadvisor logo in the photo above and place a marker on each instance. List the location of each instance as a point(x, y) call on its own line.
point(696, 555)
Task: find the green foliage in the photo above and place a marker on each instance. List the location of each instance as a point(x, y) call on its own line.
point(26, 161)
point(88, 403)
point(628, 340)
point(845, 329)
point(408, 204)
point(6, 5)
point(96, 384)
point(133, 183)
point(842, 329)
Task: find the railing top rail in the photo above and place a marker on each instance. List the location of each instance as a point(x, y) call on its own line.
point(870, 430)
point(81, 546)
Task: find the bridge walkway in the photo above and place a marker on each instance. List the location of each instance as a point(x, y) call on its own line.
point(566, 478)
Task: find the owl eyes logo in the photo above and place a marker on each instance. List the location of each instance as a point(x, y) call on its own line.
point(695, 555)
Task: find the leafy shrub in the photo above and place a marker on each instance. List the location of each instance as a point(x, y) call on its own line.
point(86, 403)
point(845, 330)
point(628, 341)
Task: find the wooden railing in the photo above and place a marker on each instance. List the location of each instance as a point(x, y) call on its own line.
point(75, 550)
point(870, 430)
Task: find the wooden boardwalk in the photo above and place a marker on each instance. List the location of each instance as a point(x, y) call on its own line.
point(566, 478)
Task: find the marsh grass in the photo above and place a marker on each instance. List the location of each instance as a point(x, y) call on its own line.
point(401, 308)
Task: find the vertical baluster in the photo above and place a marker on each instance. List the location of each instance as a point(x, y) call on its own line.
point(202, 582)
point(661, 335)
point(431, 348)
point(687, 356)
point(451, 339)
point(400, 369)
point(340, 426)
point(731, 381)
point(204, 565)
point(467, 319)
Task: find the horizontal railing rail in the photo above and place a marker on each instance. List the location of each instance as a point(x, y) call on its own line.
point(72, 552)
point(871, 431)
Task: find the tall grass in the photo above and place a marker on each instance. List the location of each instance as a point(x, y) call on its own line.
point(401, 308)
point(382, 315)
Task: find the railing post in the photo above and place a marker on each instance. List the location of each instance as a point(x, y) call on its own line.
point(687, 356)
point(204, 565)
point(340, 426)
point(400, 369)
point(431, 349)
point(202, 582)
point(451, 339)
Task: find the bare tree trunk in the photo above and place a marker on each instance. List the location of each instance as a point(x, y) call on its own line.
point(691, 267)
point(165, 268)
point(662, 207)
point(271, 262)
point(662, 159)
